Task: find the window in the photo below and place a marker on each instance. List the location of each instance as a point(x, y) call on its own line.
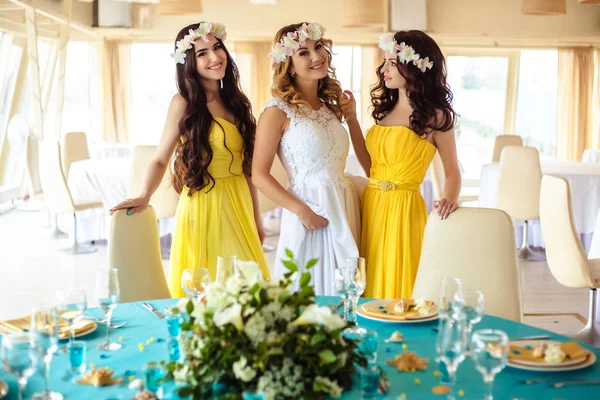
point(535, 119)
point(479, 85)
point(347, 61)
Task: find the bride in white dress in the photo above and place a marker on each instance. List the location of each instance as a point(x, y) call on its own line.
point(301, 124)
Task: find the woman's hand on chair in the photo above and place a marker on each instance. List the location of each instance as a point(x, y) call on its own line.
point(445, 207)
point(132, 205)
point(312, 220)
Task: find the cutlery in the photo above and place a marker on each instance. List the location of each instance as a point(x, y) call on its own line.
point(538, 337)
point(149, 307)
point(548, 380)
point(558, 385)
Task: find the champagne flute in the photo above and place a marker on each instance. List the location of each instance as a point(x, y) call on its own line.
point(225, 268)
point(194, 283)
point(356, 280)
point(44, 340)
point(17, 357)
point(452, 346)
point(489, 351)
point(107, 294)
point(72, 303)
point(473, 307)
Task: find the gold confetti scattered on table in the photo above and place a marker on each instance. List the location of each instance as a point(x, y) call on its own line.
point(403, 396)
point(404, 347)
point(120, 338)
point(461, 393)
point(141, 346)
point(407, 361)
point(436, 373)
point(99, 377)
point(417, 381)
point(440, 389)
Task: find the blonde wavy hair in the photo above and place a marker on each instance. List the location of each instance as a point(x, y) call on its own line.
point(329, 89)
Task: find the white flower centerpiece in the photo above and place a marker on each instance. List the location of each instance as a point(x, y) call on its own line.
point(251, 334)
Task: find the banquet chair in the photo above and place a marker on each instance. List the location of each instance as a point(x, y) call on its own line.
point(268, 206)
point(567, 260)
point(134, 250)
point(501, 142)
point(165, 199)
point(74, 147)
point(57, 195)
point(438, 179)
point(476, 245)
point(519, 180)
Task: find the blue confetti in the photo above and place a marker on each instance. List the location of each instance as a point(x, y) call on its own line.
point(129, 373)
point(388, 349)
point(528, 347)
point(104, 356)
point(384, 311)
point(516, 352)
point(160, 340)
point(381, 307)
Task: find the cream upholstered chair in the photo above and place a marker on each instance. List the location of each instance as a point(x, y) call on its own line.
point(74, 147)
point(267, 205)
point(566, 258)
point(438, 179)
point(134, 250)
point(57, 195)
point(165, 199)
point(476, 245)
point(501, 142)
point(519, 180)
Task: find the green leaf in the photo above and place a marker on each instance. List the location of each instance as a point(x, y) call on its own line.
point(189, 307)
point(275, 351)
point(290, 265)
point(327, 357)
point(318, 338)
point(186, 391)
point(305, 279)
point(289, 253)
point(311, 263)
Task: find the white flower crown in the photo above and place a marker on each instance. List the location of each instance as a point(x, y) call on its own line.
point(202, 32)
point(293, 40)
point(406, 53)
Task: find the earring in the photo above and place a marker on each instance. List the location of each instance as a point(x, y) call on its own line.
point(293, 74)
point(221, 80)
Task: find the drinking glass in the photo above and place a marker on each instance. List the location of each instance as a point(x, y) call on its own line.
point(154, 373)
point(44, 340)
point(368, 346)
point(71, 305)
point(77, 350)
point(452, 346)
point(107, 294)
point(349, 282)
point(489, 351)
point(194, 283)
point(474, 308)
point(450, 295)
point(18, 358)
point(225, 268)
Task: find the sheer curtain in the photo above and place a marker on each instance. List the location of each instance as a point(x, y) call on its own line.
point(116, 87)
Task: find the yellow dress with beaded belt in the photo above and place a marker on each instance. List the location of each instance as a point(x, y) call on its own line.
point(219, 222)
point(393, 211)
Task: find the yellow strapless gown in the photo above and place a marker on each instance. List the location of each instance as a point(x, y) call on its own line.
point(220, 222)
point(393, 211)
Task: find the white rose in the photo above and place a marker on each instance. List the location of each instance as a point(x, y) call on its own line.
point(249, 311)
point(243, 371)
point(315, 315)
point(180, 375)
point(245, 298)
point(199, 310)
point(250, 271)
point(230, 315)
point(234, 285)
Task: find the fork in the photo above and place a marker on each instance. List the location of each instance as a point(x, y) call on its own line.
point(558, 385)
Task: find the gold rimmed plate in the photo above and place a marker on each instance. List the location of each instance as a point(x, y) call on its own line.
point(373, 310)
point(569, 364)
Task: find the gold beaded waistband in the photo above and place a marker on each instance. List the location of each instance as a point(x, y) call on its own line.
point(385, 186)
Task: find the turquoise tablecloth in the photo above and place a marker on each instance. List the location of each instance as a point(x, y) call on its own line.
point(418, 337)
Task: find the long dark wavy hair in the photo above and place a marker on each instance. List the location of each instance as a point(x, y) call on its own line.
point(194, 153)
point(428, 92)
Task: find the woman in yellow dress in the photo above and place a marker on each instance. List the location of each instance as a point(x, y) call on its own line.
point(210, 127)
point(414, 119)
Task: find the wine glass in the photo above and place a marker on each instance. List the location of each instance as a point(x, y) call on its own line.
point(489, 351)
point(450, 295)
point(194, 283)
point(452, 346)
point(107, 294)
point(225, 268)
point(473, 307)
point(71, 304)
point(17, 357)
point(349, 282)
point(44, 340)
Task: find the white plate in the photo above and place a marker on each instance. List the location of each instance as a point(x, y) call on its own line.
point(570, 365)
point(376, 303)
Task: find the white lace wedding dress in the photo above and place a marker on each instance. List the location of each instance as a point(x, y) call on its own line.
point(313, 151)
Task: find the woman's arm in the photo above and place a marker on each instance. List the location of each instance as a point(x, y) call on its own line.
point(257, 213)
point(160, 161)
point(348, 107)
point(269, 130)
point(446, 144)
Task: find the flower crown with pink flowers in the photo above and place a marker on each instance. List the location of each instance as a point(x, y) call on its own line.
point(405, 52)
point(202, 32)
point(293, 40)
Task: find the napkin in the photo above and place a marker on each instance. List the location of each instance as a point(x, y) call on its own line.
point(572, 349)
point(24, 323)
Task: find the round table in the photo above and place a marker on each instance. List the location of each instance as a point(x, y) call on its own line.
point(144, 325)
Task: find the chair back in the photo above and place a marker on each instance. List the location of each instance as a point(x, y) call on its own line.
point(501, 142)
point(74, 147)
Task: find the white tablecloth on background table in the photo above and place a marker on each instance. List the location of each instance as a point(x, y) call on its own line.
point(591, 156)
point(102, 151)
point(104, 180)
point(584, 181)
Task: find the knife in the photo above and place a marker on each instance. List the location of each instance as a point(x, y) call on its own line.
point(149, 307)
